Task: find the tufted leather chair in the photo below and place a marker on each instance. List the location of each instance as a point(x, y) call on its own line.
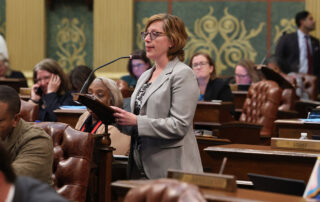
point(29, 111)
point(124, 88)
point(310, 84)
point(72, 159)
point(164, 190)
point(261, 105)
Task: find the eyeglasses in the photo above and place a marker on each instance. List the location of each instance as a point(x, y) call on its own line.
point(200, 64)
point(153, 35)
point(242, 75)
point(139, 65)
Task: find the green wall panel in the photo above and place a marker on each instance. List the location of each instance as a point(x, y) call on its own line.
point(70, 34)
point(226, 30)
point(2, 17)
point(282, 19)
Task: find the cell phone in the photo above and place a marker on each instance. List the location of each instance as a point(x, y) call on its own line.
point(39, 91)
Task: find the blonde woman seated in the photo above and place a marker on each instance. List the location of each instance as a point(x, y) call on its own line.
point(108, 93)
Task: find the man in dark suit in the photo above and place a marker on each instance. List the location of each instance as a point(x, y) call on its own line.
point(299, 50)
point(22, 189)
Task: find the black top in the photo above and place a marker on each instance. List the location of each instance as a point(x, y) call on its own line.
point(52, 101)
point(218, 89)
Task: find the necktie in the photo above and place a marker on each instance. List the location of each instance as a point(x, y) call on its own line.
point(309, 56)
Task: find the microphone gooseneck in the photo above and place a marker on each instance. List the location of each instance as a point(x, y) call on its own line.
point(86, 84)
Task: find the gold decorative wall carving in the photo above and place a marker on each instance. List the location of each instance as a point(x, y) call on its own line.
point(71, 41)
point(236, 39)
point(313, 6)
point(286, 25)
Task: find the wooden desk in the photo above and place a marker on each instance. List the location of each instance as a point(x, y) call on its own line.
point(68, 116)
point(14, 83)
point(211, 114)
point(204, 142)
point(292, 128)
point(238, 99)
point(244, 159)
point(120, 189)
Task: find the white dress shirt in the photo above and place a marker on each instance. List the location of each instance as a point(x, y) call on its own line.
point(303, 54)
point(10, 194)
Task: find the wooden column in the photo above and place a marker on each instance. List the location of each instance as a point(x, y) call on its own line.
point(313, 6)
point(113, 35)
point(25, 33)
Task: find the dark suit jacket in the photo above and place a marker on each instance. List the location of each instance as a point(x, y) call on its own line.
point(288, 50)
point(29, 190)
point(218, 89)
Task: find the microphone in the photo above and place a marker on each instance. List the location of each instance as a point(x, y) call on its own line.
point(86, 84)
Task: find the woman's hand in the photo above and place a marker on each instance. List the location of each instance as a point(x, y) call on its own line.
point(54, 84)
point(123, 117)
point(34, 95)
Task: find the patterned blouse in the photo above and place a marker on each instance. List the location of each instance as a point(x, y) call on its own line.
point(138, 101)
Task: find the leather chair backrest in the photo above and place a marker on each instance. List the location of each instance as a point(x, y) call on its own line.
point(310, 84)
point(72, 159)
point(261, 105)
point(288, 99)
point(124, 88)
point(29, 111)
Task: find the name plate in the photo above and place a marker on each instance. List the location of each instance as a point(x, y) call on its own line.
point(206, 180)
point(288, 143)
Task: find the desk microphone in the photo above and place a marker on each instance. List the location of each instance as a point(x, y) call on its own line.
point(86, 84)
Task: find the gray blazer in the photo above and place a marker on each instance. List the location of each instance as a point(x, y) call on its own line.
point(165, 121)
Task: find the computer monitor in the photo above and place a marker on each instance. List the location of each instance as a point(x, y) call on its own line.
point(277, 184)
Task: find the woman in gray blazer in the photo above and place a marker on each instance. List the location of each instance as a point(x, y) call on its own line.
point(163, 105)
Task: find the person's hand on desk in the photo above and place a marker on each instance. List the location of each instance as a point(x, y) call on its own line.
point(54, 84)
point(123, 117)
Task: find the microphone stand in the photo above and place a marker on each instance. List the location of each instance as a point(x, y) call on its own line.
point(106, 136)
point(86, 84)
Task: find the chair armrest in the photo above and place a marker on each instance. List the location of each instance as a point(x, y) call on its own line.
point(239, 132)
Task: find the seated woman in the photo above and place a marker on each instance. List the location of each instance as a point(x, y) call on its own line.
point(246, 73)
point(78, 77)
point(136, 66)
point(7, 72)
point(51, 89)
point(108, 93)
point(211, 88)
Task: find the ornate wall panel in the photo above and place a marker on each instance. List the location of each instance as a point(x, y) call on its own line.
point(2, 17)
point(227, 29)
point(70, 34)
point(25, 33)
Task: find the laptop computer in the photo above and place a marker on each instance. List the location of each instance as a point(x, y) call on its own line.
point(277, 184)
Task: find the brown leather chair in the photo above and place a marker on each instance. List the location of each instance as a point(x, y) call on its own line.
point(255, 125)
point(29, 111)
point(261, 105)
point(164, 190)
point(72, 159)
point(310, 84)
point(124, 88)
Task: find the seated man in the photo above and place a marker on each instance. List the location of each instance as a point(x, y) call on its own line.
point(22, 189)
point(30, 148)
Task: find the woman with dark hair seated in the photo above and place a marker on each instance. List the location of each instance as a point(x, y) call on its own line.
point(107, 92)
point(78, 77)
point(136, 66)
point(7, 72)
point(211, 88)
point(51, 89)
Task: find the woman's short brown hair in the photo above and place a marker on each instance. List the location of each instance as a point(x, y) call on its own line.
point(210, 61)
point(176, 32)
point(52, 66)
